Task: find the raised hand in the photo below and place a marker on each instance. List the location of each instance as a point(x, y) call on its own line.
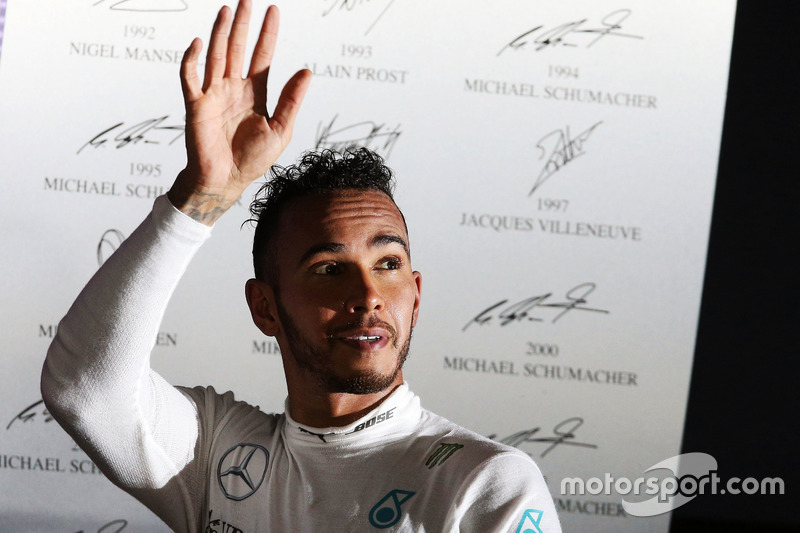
point(230, 138)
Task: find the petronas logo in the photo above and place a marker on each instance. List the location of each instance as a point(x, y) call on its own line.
point(387, 512)
point(441, 455)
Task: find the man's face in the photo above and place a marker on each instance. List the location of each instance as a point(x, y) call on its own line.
point(347, 298)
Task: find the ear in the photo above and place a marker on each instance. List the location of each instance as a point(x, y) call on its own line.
point(417, 296)
point(261, 300)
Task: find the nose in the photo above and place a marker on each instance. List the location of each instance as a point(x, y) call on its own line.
point(364, 294)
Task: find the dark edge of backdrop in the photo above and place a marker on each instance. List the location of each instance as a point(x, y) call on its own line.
point(743, 397)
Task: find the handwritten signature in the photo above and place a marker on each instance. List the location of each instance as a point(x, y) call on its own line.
point(152, 131)
point(563, 149)
point(378, 137)
point(146, 6)
point(541, 37)
point(524, 310)
point(119, 524)
point(31, 413)
point(349, 5)
point(563, 434)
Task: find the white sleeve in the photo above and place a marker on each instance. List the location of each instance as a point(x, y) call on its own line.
point(97, 382)
point(506, 494)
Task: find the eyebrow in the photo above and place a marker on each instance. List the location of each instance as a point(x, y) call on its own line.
point(337, 247)
point(386, 239)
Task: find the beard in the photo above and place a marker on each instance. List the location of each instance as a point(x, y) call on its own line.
point(317, 361)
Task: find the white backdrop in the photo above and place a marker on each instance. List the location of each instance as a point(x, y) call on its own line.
point(556, 164)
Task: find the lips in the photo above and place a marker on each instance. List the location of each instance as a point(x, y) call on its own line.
point(365, 339)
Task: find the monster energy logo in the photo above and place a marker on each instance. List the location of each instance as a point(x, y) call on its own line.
point(441, 455)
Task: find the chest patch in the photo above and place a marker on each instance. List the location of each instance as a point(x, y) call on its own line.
point(388, 512)
point(242, 470)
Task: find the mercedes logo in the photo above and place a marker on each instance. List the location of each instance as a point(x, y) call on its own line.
point(242, 470)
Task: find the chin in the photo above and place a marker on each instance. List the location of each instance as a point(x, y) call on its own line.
point(369, 382)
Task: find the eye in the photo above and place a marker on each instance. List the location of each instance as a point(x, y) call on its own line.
point(327, 269)
point(390, 263)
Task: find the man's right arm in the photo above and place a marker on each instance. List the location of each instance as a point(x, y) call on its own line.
point(97, 380)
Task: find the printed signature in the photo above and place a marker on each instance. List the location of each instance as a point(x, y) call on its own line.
point(32, 413)
point(350, 5)
point(152, 131)
point(378, 137)
point(115, 526)
point(563, 434)
point(35, 411)
point(572, 34)
point(145, 6)
point(503, 314)
point(560, 148)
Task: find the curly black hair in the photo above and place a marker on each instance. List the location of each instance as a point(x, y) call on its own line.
point(315, 173)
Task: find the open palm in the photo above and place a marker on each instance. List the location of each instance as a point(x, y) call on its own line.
point(230, 138)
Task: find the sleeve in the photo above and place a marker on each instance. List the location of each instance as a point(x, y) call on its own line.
point(506, 494)
point(97, 382)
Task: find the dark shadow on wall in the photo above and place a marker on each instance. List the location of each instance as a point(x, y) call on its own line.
point(743, 400)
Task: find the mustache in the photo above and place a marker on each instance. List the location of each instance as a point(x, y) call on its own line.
point(363, 322)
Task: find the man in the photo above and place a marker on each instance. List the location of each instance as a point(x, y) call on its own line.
point(354, 450)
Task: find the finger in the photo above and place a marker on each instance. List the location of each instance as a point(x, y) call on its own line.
point(265, 46)
point(190, 82)
point(215, 59)
point(238, 40)
point(282, 121)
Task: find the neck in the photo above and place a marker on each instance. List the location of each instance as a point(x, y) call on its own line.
point(320, 409)
point(336, 410)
